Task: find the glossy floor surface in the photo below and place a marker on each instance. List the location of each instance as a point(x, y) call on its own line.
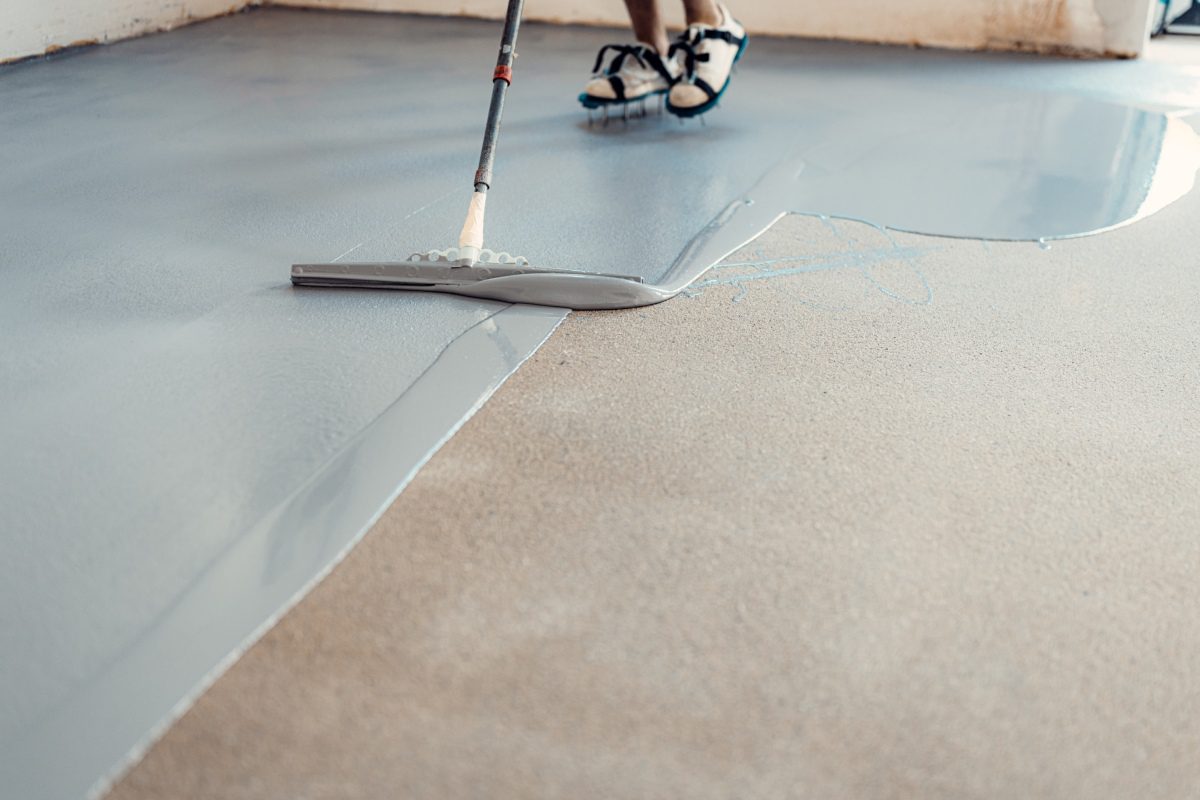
point(188, 443)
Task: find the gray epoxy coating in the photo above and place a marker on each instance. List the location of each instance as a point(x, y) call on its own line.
point(176, 414)
point(167, 394)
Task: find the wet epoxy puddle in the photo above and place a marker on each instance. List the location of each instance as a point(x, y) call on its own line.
point(1030, 168)
point(1145, 175)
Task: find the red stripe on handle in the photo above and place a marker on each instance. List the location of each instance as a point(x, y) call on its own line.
point(503, 74)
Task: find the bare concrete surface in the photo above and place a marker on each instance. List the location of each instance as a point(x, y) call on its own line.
point(869, 516)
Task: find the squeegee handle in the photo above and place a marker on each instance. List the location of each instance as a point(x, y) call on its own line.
point(501, 79)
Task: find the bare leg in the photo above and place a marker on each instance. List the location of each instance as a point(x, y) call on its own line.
point(703, 12)
point(648, 25)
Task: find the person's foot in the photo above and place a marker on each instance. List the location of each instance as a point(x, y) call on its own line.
point(709, 53)
point(634, 72)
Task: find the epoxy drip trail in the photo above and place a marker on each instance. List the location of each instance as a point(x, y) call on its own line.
point(742, 273)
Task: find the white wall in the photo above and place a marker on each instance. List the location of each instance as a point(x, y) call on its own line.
point(1112, 27)
point(33, 27)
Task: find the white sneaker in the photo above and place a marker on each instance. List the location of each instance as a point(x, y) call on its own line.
point(709, 54)
point(635, 72)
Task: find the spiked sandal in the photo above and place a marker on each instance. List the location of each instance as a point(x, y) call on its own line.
point(708, 54)
point(634, 73)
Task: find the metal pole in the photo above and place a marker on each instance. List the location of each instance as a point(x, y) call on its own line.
point(501, 79)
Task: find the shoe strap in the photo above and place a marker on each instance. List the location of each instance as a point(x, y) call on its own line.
point(691, 38)
point(643, 55)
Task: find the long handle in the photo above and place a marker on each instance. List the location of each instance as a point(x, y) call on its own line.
point(470, 241)
point(501, 80)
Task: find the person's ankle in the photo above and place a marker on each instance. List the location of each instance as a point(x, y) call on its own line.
point(712, 18)
point(660, 47)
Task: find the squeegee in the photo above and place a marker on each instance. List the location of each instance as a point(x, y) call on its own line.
point(470, 269)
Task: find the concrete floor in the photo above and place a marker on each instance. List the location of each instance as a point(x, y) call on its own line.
point(822, 539)
point(917, 519)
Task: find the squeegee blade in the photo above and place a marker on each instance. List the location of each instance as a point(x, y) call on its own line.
point(416, 274)
point(398, 273)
